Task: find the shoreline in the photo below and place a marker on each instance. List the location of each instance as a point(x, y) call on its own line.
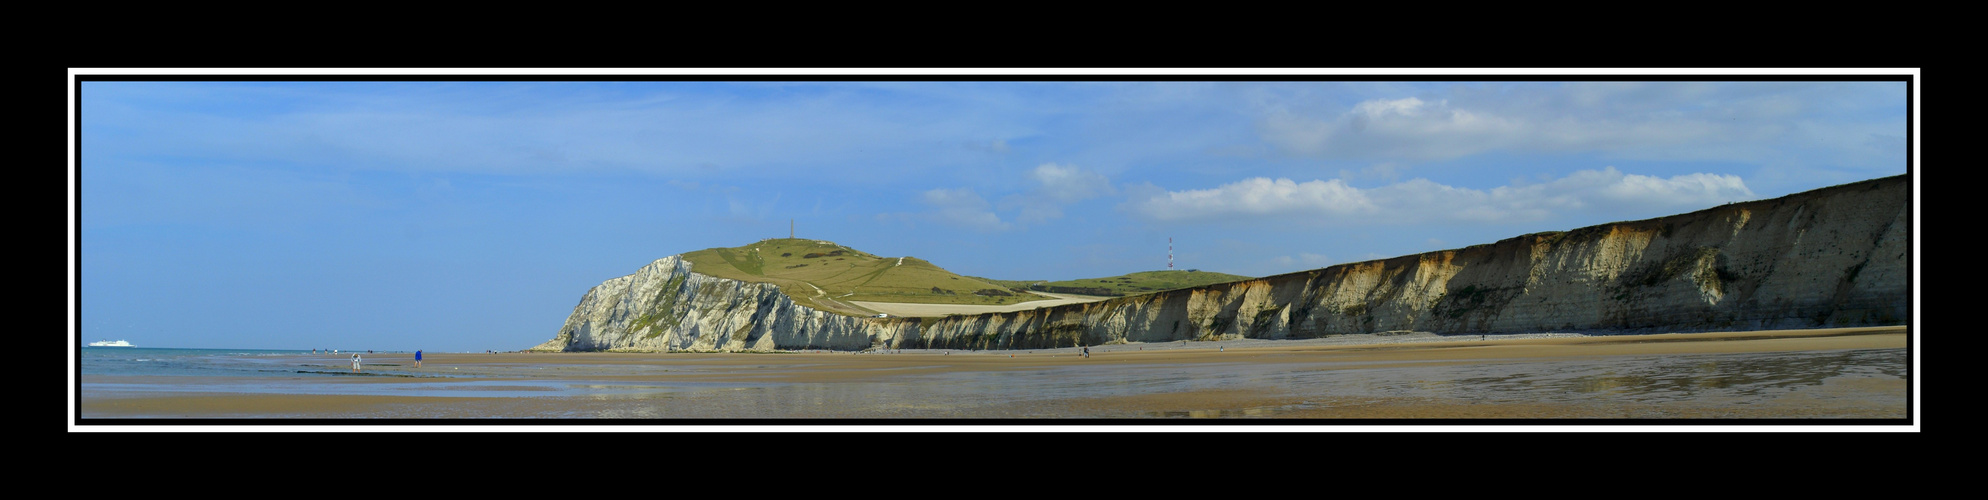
point(870, 385)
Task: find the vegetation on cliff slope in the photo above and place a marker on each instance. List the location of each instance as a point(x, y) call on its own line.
point(827, 276)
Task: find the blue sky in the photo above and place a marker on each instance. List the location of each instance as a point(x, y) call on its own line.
point(464, 216)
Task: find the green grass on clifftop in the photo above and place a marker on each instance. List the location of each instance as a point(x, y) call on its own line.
point(827, 276)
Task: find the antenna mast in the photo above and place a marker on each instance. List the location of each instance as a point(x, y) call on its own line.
point(790, 229)
point(1169, 253)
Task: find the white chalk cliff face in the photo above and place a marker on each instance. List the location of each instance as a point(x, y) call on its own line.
point(665, 306)
point(1836, 256)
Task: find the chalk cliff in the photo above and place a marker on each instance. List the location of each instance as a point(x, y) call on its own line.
point(1836, 256)
point(666, 307)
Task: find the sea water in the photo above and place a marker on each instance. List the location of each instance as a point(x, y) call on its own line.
point(170, 362)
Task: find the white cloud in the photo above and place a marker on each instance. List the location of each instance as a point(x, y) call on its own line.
point(1408, 128)
point(1258, 196)
point(1382, 107)
point(1685, 190)
point(1420, 200)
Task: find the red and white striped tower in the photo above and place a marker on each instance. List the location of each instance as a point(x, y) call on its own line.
point(1169, 253)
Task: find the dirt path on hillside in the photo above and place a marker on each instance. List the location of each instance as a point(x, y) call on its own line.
point(934, 310)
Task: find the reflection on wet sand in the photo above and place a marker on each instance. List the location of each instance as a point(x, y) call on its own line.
point(1779, 375)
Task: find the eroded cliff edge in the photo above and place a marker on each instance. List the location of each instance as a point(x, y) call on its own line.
point(666, 307)
point(1835, 256)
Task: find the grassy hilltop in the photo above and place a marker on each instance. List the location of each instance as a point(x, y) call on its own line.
point(1129, 284)
point(827, 276)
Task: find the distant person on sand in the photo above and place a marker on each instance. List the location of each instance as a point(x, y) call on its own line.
point(417, 358)
point(355, 362)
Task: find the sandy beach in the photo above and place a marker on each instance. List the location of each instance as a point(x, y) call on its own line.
point(1667, 376)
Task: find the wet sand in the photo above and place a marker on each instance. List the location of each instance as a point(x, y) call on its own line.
point(1496, 378)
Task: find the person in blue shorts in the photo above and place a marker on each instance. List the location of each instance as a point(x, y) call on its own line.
point(417, 358)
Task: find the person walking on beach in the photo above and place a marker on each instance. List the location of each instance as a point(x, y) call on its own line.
point(417, 358)
point(355, 362)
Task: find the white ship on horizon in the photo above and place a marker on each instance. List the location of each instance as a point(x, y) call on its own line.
point(110, 343)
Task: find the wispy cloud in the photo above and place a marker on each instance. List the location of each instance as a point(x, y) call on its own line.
point(1258, 197)
point(1720, 121)
point(1334, 202)
point(691, 130)
point(1302, 261)
point(745, 209)
point(1069, 184)
point(997, 146)
point(1055, 186)
point(1414, 129)
point(962, 208)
